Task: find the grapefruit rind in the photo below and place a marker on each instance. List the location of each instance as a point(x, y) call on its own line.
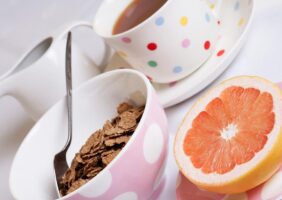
point(250, 174)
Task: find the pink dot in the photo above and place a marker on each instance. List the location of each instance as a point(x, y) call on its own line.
point(186, 43)
point(126, 39)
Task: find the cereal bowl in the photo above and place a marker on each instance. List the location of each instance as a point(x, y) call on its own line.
point(135, 173)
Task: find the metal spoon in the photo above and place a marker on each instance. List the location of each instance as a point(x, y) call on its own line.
point(60, 161)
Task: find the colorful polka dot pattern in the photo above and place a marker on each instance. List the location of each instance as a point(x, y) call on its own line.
point(146, 153)
point(220, 53)
point(152, 63)
point(153, 140)
point(212, 6)
point(207, 17)
point(186, 43)
point(207, 45)
point(177, 69)
point(241, 22)
point(126, 40)
point(183, 21)
point(159, 21)
point(154, 46)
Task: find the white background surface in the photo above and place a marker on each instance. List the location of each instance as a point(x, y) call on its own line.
point(23, 23)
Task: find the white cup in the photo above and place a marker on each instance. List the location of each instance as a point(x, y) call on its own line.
point(38, 79)
point(171, 44)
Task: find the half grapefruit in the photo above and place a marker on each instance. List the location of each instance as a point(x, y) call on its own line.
point(231, 139)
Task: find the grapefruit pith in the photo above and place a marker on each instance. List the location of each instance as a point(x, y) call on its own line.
point(231, 139)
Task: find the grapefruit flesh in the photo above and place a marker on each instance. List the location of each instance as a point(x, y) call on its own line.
point(231, 140)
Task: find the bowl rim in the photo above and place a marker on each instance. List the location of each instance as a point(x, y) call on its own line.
point(148, 101)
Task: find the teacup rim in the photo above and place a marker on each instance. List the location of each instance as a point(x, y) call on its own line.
point(129, 31)
point(149, 91)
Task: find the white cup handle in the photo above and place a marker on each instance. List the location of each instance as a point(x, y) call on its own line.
point(62, 32)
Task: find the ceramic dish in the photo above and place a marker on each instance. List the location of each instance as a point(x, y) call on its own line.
point(135, 173)
point(234, 21)
point(235, 18)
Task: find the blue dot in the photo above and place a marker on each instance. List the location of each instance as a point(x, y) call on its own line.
point(159, 21)
point(237, 5)
point(177, 69)
point(207, 16)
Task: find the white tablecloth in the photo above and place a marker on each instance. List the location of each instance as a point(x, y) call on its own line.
point(23, 23)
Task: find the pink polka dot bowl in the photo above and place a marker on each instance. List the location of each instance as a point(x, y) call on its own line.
point(136, 173)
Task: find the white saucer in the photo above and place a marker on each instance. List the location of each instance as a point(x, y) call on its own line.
point(235, 19)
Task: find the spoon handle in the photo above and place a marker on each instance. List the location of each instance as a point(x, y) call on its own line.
point(69, 88)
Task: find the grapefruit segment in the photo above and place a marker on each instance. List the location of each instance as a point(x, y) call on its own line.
point(211, 124)
point(232, 101)
point(231, 140)
point(222, 117)
point(217, 111)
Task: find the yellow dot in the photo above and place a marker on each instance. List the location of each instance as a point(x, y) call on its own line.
point(241, 22)
point(122, 53)
point(184, 21)
point(212, 6)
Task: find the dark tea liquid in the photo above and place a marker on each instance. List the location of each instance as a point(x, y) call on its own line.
point(136, 13)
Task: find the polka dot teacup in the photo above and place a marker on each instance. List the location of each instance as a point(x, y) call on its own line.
point(171, 44)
